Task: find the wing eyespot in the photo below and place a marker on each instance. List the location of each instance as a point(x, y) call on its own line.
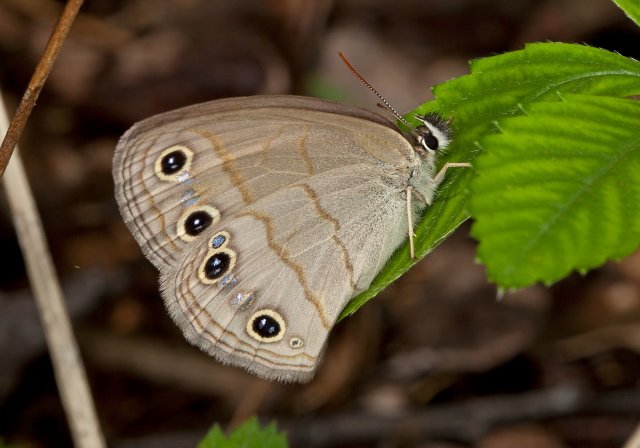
point(296, 342)
point(173, 164)
point(266, 326)
point(218, 262)
point(196, 220)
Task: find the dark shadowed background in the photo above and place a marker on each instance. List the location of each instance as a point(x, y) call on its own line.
point(433, 361)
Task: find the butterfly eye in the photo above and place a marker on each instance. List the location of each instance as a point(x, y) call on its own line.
point(434, 133)
point(429, 142)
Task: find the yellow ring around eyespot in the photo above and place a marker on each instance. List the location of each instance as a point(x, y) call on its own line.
point(296, 342)
point(232, 262)
point(175, 176)
point(180, 231)
point(273, 314)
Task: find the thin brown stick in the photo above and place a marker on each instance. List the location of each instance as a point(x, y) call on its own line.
point(65, 356)
point(253, 398)
point(37, 82)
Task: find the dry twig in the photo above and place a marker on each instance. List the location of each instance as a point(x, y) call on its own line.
point(65, 356)
point(70, 374)
point(37, 82)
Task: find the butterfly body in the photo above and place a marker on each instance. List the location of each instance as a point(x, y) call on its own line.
point(265, 215)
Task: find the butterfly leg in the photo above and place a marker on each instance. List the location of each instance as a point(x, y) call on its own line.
point(410, 193)
point(441, 173)
point(410, 220)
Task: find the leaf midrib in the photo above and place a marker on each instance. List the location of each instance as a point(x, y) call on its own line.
point(569, 204)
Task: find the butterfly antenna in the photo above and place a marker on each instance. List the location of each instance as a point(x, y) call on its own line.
point(386, 106)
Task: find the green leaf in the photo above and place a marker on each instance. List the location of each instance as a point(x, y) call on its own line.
point(558, 189)
point(495, 88)
point(631, 8)
point(248, 435)
point(499, 84)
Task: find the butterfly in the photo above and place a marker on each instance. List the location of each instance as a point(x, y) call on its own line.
point(265, 215)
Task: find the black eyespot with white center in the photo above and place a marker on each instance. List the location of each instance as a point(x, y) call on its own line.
point(217, 265)
point(197, 222)
point(173, 162)
point(266, 326)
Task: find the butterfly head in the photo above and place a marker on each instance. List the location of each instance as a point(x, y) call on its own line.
point(434, 134)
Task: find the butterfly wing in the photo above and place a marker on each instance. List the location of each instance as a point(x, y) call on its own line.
point(265, 215)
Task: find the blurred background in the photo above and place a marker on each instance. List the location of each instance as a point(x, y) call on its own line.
point(435, 361)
